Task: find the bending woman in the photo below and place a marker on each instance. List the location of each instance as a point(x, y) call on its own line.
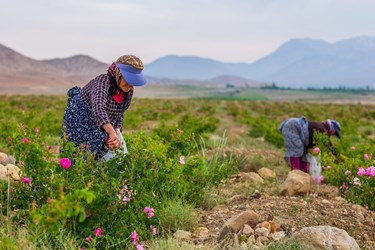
point(95, 111)
point(298, 136)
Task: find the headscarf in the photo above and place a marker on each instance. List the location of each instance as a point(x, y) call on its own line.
point(333, 127)
point(115, 74)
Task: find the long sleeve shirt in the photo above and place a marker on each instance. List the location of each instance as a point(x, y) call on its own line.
point(105, 110)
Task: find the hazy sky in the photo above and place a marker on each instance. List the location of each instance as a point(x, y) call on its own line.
point(224, 30)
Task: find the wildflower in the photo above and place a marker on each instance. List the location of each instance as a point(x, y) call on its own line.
point(347, 172)
point(149, 211)
point(82, 248)
point(329, 167)
point(353, 148)
point(356, 182)
point(88, 214)
point(182, 160)
point(49, 147)
point(316, 151)
point(25, 180)
point(125, 194)
point(134, 237)
point(321, 179)
point(65, 163)
point(22, 163)
point(370, 171)
point(25, 140)
point(361, 171)
point(88, 239)
point(153, 230)
point(366, 156)
point(36, 130)
point(344, 187)
point(98, 232)
point(139, 247)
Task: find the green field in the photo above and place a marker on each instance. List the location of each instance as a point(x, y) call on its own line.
point(218, 134)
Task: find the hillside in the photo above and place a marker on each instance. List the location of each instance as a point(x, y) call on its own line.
point(20, 74)
point(298, 63)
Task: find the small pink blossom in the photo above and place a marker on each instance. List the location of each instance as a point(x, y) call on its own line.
point(353, 148)
point(149, 211)
point(329, 167)
point(134, 237)
point(82, 248)
point(25, 180)
point(347, 172)
point(370, 171)
point(153, 230)
point(365, 156)
point(356, 181)
point(88, 239)
point(182, 160)
point(25, 140)
point(321, 179)
point(98, 232)
point(22, 163)
point(316, 151)
point(36, 130)
point(49, 147)
point(344, 187)
point(139, 247)
point(361, 171)
point(65, 163)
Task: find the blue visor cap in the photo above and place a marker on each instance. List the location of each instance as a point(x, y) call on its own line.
point(132, 75)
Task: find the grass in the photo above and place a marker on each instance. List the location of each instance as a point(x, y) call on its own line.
point(178, 215)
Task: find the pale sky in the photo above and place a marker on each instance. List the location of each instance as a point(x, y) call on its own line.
point(224, 30)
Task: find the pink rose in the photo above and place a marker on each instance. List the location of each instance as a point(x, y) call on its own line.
point(361, 171)
point(65, 163)
point(316, 151)
point(98, 232)
point(366, 156)
point(25, 180)
point(25, 140)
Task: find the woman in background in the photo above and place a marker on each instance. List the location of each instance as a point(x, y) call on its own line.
point(95, 111)
point(298, 136)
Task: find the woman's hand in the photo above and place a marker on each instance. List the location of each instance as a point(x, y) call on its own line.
point(112, 140)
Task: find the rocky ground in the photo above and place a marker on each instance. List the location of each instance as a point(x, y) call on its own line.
point(323, 205)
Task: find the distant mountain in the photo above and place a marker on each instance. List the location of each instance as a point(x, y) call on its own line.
point(20, 74)
point(297, 63)
point(78, 65)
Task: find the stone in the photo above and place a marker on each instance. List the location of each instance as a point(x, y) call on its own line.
point(247, 230)
point(252, 178)
point(251, 240)
point(236, 223)
point(262, 231)
point(278, 235)
point(13, 171)
point(182, 235)
point(274, 227)
point(202, 232)
point(266, 173)
point(296, 183)
point(9, 170)
point(325, 237)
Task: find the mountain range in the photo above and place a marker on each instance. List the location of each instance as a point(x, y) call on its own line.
point(296, 63)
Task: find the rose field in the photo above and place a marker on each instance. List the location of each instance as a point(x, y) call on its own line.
point(185, 155)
